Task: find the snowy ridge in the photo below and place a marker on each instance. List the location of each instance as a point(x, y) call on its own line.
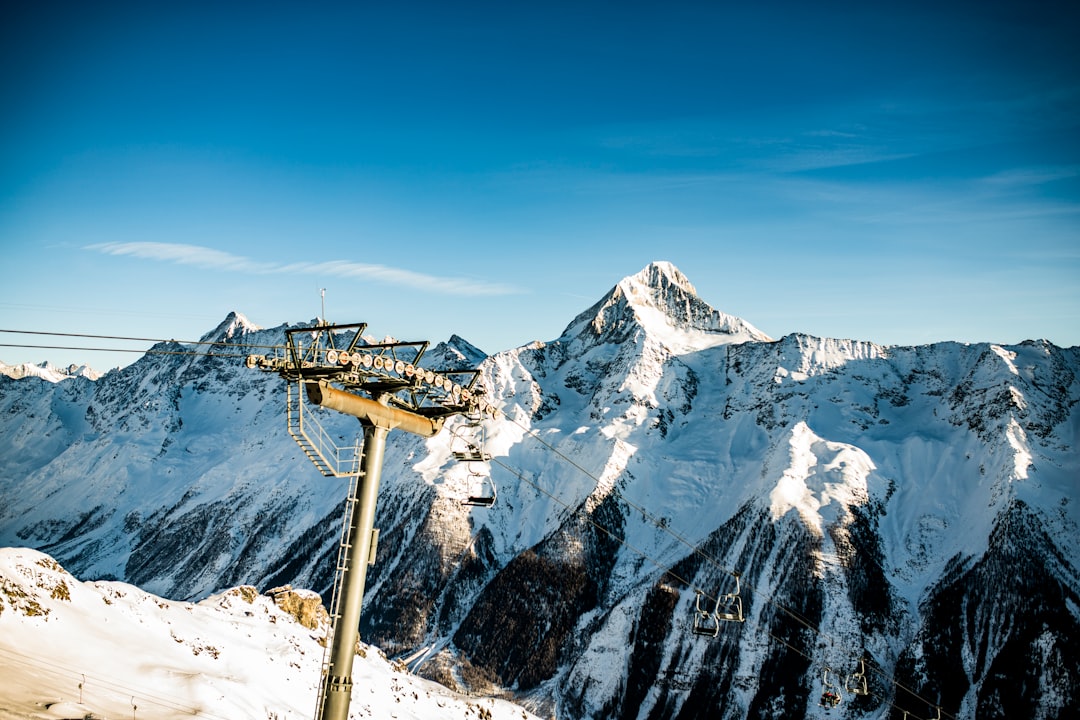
point(884, 495)
point(47, 371)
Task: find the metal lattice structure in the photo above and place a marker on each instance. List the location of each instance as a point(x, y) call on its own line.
point(338, 355)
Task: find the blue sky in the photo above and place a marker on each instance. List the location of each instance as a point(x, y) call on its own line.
point(903, 173)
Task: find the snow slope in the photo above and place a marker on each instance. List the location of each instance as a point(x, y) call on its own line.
point(71, 649)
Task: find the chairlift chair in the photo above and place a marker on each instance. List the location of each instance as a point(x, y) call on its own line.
point(705, 622)
point(728, 608)
point(830, 693)
point(732, 603)
point(856, 682)
point(472, 453)
point(483, 488)
point(732, 611)
point(471, 450)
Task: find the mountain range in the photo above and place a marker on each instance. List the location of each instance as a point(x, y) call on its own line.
point(894, 525)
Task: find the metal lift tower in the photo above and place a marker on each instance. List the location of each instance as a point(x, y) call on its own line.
point(383, 385)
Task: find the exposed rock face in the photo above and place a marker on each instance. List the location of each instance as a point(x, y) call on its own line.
point(304, 605)
point(912, 507)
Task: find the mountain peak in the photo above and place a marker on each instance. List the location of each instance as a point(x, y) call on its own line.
point(470, 354)
point(234, 324)
point(659, 274)
point(662, 301)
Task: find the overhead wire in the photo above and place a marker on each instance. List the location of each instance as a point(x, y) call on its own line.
point(662, 526)
point(128, 338)
point(907, 713)
point(122, 338)
point(187, 353)
point(589, 519)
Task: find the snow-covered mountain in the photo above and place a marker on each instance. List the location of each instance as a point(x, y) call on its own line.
point(71, 649)
point(907, 515)
point(47, 371)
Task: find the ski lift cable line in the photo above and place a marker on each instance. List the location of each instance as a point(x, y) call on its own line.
point(64, 671)
point(134, 339)
point(695, 549)
point(794, 649)
point(187, 353)
point(666, 527)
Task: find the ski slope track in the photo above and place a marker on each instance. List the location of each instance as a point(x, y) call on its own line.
point(916, 508)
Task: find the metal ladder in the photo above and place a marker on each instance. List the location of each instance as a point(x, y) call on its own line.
point(294, 410)
point(339, 576)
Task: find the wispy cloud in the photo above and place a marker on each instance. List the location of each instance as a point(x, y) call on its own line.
point(1029, 176)
point(211, 259)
